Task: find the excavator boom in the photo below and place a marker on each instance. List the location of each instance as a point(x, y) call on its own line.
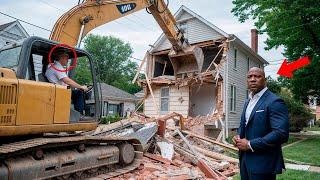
point(94, 13)
point(80, 20)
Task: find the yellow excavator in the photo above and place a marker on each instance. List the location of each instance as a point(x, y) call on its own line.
point(37, 118)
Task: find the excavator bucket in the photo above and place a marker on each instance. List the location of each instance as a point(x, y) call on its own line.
point(189, 60)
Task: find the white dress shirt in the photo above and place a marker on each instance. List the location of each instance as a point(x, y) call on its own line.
point(252, 103)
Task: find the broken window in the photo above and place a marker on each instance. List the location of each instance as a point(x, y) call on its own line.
point(210, 54)
point(163, 66)
point(164, 101)
point(233, 98)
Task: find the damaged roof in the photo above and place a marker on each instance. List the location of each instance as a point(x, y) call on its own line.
point(208, 31)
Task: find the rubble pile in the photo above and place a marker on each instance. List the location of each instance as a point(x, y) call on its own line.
point(173, 152)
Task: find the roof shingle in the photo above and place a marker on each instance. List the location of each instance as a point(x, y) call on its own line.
point(113, 93)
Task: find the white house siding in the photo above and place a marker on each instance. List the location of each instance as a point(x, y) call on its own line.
point(238, 78)
point(178, 101)
point(197, 31)
point(12, 33)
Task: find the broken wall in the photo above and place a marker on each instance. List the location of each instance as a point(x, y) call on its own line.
point(202, 99)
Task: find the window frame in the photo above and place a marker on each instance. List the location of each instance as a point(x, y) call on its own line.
point(235, 54)
point(248, 63)
point(233, 98)
point(164, 97)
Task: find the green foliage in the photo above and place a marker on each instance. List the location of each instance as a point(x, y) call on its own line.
point(299, 115)
point(83, 71)
point(111, 58)
point(110, 119)
point(273, 85)
point(294, 24)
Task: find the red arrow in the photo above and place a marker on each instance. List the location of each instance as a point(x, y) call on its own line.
point(287, 69)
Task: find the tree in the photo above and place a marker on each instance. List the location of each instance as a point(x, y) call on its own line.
point(111, 59)
point(299, 115)
point(82, 71)
point(295, 24)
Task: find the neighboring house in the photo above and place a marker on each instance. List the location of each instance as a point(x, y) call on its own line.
point(318, 113)
point(140, 95)
point(313, 101)
point(116, 101)
point(12, 32)
point(219, 90)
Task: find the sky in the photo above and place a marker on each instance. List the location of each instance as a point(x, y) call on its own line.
point(139, 29)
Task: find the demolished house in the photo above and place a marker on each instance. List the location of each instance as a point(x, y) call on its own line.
point(210, 94)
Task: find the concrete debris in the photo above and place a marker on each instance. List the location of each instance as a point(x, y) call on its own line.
point(146, 133)
point(166, 150)
point(169, 156)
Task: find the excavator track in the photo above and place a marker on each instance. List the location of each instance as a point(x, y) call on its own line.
point(78, 157)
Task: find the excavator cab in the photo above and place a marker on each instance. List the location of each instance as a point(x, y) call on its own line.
point(29, 104)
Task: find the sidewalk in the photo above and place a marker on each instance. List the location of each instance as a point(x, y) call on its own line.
point(303, 167)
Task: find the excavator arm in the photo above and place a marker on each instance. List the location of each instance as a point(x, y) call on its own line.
point(81, 19)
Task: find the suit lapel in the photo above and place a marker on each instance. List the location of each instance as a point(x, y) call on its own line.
point(259, 103)
point(243, 118)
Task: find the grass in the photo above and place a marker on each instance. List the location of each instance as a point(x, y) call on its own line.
point(291, 139)
point(305, 151)
point(312, 128)
point(292, 174)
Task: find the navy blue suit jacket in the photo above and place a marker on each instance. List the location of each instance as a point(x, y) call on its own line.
point(267, 129)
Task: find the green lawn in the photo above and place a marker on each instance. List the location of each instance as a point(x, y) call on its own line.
point(292, 174)
point(313, 128)
point(291, 139)
point(305, 151)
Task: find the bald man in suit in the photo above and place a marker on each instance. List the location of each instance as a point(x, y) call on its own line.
point(264, 126)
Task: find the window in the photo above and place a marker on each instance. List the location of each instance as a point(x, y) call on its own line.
point(248, 64)
point(37, 65)
point(164, 101)
point(113, 109)
point(9, 58)
point(235, 59)
point(233, 98)
point(259, 65)
point(105, 109)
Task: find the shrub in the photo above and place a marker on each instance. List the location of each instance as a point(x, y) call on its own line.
point(299, 115)
point(110, 119)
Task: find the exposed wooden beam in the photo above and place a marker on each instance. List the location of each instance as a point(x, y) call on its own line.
point(140, 67)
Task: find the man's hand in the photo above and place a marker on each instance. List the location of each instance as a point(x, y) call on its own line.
point(84, 88)
point(234, 139)
point(242, 144)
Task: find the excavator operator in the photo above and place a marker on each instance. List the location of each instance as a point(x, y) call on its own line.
point(61, 78)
